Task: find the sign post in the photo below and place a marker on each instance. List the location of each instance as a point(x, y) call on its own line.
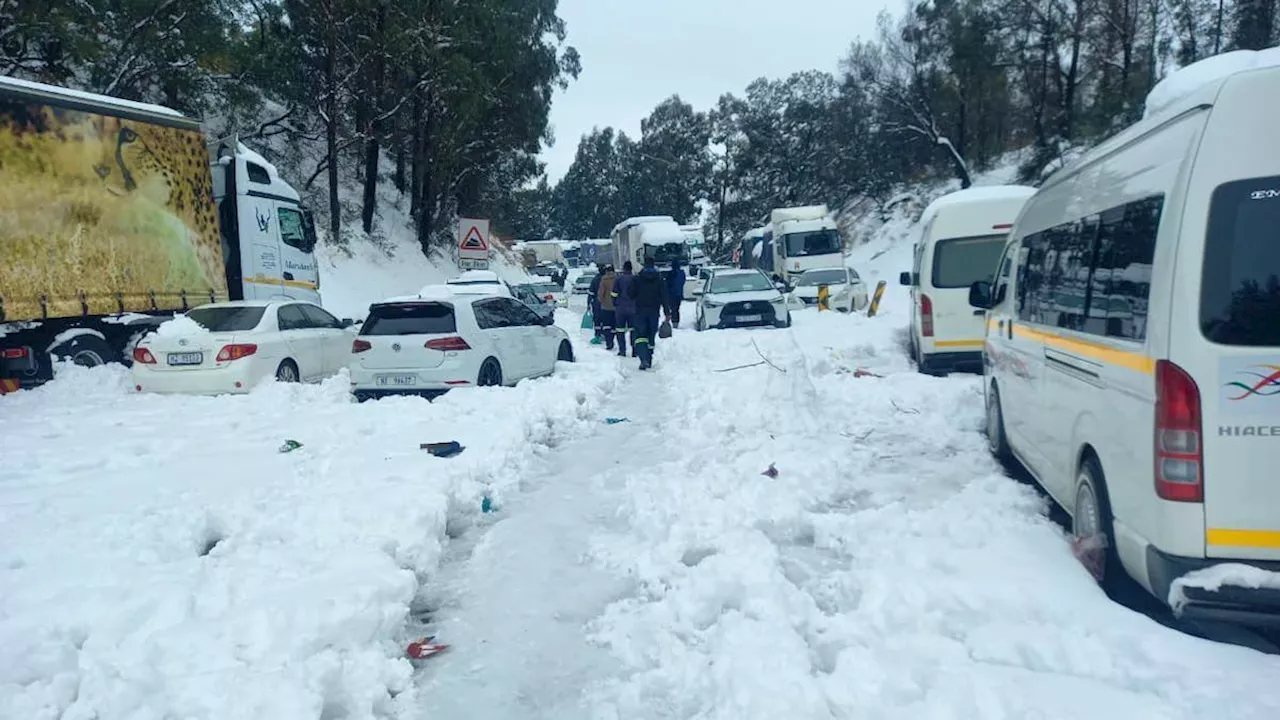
point(473, 244)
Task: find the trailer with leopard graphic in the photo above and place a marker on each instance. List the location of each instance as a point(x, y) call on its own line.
point(114, 215)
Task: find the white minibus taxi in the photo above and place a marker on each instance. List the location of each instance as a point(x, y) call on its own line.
point(962, 235)
point(1133, 349)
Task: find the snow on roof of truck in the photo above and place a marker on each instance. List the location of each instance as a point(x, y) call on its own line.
point(1183, 85)
point(641, 219)
point(89, 98)
point(661, 233)
point(990, 193)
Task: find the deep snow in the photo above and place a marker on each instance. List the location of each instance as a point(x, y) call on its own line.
point(159, 557)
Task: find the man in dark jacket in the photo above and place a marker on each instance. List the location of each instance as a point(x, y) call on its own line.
point(650, 293)
point(624, 306)
point(675, 290)
point(593, 304)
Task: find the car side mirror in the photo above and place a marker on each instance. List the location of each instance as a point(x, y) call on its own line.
point(980, 295)
point(905, 279)
point(347, 322)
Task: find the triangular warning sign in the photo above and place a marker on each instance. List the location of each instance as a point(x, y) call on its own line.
point(474, 240)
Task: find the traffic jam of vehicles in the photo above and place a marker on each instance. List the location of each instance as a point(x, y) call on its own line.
point(1121, 317)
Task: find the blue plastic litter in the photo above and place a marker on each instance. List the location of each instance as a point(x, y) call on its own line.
point(444, 449)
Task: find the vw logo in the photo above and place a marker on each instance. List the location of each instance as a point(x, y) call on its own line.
point(395, 347)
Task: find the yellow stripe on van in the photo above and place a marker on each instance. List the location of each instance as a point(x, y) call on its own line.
point(264, 280)
point(958, 343)
point(1121, 358)
point(1243, 538)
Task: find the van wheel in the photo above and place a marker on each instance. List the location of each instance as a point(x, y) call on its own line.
point(490, 374)
point(287, 372)
point(1092, 531)
point(997, 441)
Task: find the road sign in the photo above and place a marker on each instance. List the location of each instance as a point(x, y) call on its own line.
point(469, 264)
point(473, 239)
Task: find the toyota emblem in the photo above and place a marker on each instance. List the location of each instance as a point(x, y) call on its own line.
point(395, 347)
point(183, 342)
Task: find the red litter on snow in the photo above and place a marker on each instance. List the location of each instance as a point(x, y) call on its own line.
point(863, 372)
point(424, 648)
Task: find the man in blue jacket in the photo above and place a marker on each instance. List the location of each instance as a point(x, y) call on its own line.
point(675, 290)
point(624, 306)
point(649, 291)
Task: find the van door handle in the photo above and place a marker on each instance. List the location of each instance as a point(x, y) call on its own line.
point(1009, 329)
point(288, 276)
point(979, 313)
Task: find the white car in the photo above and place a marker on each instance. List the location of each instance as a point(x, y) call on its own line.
point(449, 337)
point(551, 293)
point(482, 279)
point(230, 347)
point(582, 284)
point(847, 291)
point(740, 298)
point(696, 278)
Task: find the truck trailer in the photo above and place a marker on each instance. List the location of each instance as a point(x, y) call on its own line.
point(656, 237)
point(117, 215)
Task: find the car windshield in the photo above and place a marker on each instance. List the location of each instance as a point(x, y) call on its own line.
point(817, 242)
point(822, 277)
point(961, 262)
point(228, 318)
point(745, 282)
point(410, 319)
point(584, 280)
point(544, 288)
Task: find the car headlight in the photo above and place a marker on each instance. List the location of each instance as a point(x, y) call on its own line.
point(712, 304)
point(778, 300)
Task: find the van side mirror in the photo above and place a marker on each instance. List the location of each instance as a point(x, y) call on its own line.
point(980, 295)
point(905, 279)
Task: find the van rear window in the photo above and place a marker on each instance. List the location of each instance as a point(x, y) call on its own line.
point(410, 319)
point(1240, 286)
point(961, 262)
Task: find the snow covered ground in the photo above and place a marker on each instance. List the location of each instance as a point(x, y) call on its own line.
point(160, 558)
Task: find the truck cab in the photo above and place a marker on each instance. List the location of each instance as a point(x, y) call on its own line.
point(803, 238)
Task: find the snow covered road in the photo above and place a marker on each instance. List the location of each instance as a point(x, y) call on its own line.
point(160, 558)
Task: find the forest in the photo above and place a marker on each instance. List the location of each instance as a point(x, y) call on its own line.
point(444, 106)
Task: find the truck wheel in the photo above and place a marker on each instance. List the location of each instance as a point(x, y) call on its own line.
point(84, 350)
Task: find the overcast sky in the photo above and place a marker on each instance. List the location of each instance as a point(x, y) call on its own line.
point(635, 53)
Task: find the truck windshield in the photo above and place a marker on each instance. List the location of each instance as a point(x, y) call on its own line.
point(227, 318)
point(818, 242)
point(1240, 285)
point(664, 254)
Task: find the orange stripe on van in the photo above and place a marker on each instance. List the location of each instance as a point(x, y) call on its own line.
point(1243, 538)
point(1120, 358)
point(264, 280)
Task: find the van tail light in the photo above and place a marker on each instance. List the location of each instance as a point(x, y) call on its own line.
point(1179, 452)
point(13, 353)
point(1002, 226)
point(235, 352)
point(144, 356)
point(449, 344)
point(926, 316)
point(359, 346)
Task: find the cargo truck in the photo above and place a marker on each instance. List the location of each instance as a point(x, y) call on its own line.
point(115, 215)
point(656, 237)
point(801, 238)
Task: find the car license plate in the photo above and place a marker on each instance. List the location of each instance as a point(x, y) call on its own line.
point(750, 318)
point(397, 380)
point(189, 358)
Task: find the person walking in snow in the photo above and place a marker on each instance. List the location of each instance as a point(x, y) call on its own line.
point(593, 304)
point(675, 291)
point(607, 312)
point(624, 305)
point(649, 291)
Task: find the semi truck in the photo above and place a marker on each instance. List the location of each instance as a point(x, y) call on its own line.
point(656, 237)
point(117, 215)
point(801, 238)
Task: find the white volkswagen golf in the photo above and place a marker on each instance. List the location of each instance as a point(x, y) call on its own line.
point(229, 347)
point(452, 337)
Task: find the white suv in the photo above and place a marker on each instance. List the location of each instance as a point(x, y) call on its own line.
point(740, 298)
point(450, 337)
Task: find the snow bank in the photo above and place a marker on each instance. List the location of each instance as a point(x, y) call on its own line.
point(1216, 577)
point(180, 326)
point(1186, 81)
point(160, 558)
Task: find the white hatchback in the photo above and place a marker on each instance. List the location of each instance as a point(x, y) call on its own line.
point(740, 298)
point(230, 347)
point(448, 337)
point(847, 291)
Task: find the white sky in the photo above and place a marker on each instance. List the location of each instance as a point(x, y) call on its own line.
point(636, 53)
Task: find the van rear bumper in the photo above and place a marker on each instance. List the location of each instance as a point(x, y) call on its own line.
point(954, 362)
point(1242, 606)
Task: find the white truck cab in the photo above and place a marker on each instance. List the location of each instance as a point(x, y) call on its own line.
point(1133, 348)
point(802, 238)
